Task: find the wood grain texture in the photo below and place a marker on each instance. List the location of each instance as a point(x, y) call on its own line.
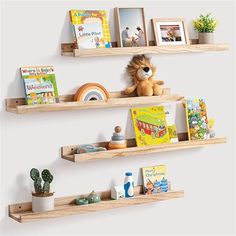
point(117, 99)
point(161, 49)
point(65, 206)
point(69, 152)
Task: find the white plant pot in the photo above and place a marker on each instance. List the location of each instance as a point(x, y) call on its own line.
point(42, 203)
point(206, 38)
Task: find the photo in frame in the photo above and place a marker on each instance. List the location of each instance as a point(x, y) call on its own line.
point(131, 27)
point(170, 31)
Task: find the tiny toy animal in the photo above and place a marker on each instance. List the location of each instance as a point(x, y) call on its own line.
point(142, 73)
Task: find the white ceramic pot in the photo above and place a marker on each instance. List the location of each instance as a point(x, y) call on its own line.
point(42, 203)
point(206, 38)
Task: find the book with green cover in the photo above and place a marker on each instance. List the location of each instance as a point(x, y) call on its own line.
point(40, 85)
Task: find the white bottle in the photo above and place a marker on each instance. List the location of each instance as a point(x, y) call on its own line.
point(129, 185)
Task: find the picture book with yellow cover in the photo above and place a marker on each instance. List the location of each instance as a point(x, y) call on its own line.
point(150, 126)
point(154, 179)
point(196, 116)
point(90, 29)
point(40, 85)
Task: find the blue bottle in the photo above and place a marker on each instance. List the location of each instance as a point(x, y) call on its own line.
point(129, 185)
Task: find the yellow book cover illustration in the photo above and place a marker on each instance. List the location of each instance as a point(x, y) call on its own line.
point(90, 28)
point(150, 126)
point(154, 179)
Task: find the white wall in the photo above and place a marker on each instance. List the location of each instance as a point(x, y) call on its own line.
point(31, 35)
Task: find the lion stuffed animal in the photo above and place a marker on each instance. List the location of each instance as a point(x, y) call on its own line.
point(142, 72)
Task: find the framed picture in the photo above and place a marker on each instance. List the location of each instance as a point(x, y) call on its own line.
point(170, 31)
point(131, 28)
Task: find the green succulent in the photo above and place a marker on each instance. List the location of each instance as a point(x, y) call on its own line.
point(47, 177)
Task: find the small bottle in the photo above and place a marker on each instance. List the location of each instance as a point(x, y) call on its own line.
point(129, 185)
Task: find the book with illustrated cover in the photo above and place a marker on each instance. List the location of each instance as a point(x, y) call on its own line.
point(150, 126)
point(170, 112)
point(154, 179)
point(40, 85)
point(90, 29)
point(196, 116)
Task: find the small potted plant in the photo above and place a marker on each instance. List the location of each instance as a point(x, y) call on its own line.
point(205, 25)
point(42, 198)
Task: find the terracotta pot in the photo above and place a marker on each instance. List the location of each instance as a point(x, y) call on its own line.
point(45, 203)
point(206, 38)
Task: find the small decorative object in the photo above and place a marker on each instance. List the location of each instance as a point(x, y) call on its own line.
point(131, 27)
point(42, 198)
point(117, 192)
point(142, 74)
point(170, 31)
point(81, 201)
point(90, 29)
point(129, 185)
point(164, 185)
point(90, 92)
point(205, 25)
point(210, 128)
point(150, 126)
point(93, 197)
point(40, 85)
point(152, 177)
point(196, 114)
point(89, 148)
point(117, 140)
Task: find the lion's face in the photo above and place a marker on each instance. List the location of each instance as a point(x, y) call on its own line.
point(144, 73)
point(140, 68)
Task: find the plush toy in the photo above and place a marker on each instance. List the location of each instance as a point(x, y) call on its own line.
point(142, 73)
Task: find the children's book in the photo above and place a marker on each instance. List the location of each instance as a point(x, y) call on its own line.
point(90, 29)
point(170, 112)
point(154, 179)
point(196, 116)
point(40, 85)
point(150, 126)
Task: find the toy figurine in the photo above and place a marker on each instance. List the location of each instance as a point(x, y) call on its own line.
point(117, 140)
point(129, 185)
point(93, 197)
point(210, 130)
point(81, 201)
point(117, 192)
point(89, 148)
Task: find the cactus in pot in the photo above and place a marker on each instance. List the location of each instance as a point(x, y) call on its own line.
point(42, 198)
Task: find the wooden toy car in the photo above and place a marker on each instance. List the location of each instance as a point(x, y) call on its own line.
point(89, 148)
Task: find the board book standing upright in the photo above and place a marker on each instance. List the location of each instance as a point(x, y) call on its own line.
point(150, 126)
point(40, 84)
point(154, 179)
point(90, 29)
point(196, 116)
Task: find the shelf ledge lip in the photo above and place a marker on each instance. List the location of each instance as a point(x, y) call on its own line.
point(160, 49)
point(65, 206)
point(131, 151)
point(17, 105)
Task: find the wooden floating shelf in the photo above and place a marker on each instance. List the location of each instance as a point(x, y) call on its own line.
point(67, 49)
point(69, 152)
point(117, 99)
point(65, 206)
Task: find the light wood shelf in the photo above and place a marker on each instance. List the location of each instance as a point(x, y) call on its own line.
point(67, 49)
point(65, 206)
point(69, 152)
point(117, 99)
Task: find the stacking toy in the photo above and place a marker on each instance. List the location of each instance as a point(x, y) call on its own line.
point(117, 140)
